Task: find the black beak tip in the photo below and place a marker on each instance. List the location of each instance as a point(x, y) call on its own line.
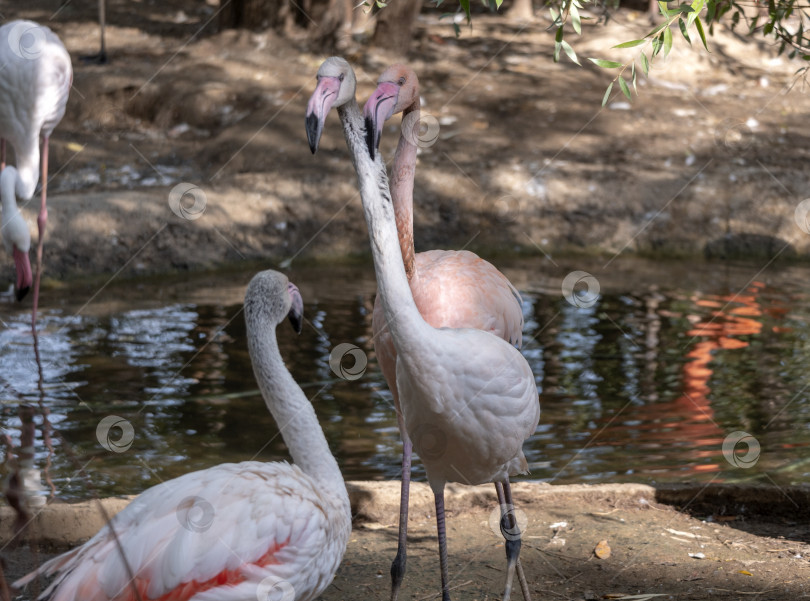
point(297, 322)
point(313, 132)
point(21, 292)
point(371, 139)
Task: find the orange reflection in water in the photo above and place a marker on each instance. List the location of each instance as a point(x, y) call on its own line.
point(688, 421)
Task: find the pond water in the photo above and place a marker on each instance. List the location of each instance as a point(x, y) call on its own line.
point(646, 382)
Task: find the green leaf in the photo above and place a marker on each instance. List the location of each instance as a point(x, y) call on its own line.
point(625, 89)
point(498, 3)
point(657, 43)
point(559, 35)
point(607, 94)
point(465, 4)
point(633, 73)
point(701, 33)
point(711, 11)
point(667, 41)
point(697, 6)
point(645, 64)
point(605, 64)
point(629, 44)
point(682, 25)
point(570, 52)
point(576, 21)
point(664, 10)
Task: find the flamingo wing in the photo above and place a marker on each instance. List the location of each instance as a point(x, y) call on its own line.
point(212, 534)
point(459, 289)
point(476, 413)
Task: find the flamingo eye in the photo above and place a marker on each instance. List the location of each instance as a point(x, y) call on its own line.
point(401, 81)
point(340, 78)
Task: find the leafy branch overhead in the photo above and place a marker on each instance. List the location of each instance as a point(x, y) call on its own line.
point(782, 20)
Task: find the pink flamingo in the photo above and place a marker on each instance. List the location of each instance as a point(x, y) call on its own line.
point(34, 85)
point(16, 237)
point(234, 532)
point(452, 289)
point(465, 397)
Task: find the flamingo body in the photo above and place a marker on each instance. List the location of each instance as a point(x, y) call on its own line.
point(265, 520)
point(34, 87)
point(468, 417)
point(234, 532)
point(453, 289)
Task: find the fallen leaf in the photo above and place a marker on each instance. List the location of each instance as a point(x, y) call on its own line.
point(744, 572)
point(602, 550)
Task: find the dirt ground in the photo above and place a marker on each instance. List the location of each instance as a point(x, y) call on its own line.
point(673, 543)
point(710, 158)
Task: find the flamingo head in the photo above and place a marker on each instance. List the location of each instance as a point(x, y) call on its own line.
point(270, 295)
point(16, 236)
point(336, 86)
point(397, 90)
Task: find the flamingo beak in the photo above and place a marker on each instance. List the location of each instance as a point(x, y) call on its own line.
point(322, 99)
point(378, 109)
point(24, 277)
point(296, 314)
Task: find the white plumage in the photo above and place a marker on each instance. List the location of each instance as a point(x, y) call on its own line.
point(14, 229)
point(34, 86)
point(235, 532)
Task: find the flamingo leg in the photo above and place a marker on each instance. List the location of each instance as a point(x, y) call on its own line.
point(398, 565)
point(42, 220)
point(511, 532)
point(440, 527)
point(2, 153)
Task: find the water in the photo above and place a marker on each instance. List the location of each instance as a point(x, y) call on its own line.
point(643, 385)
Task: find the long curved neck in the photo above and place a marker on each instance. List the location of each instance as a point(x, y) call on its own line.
point(402, 178)
point(291, 409)
point(8, 198)
point(408, 329)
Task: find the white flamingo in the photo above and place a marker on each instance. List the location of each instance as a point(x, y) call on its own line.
point(35, 79)
point(235, 531)
point(468, 398)
point(16, 237)
point(452, 289)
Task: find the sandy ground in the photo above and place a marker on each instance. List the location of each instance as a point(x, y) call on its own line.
point(710, 158)
point(672, 543)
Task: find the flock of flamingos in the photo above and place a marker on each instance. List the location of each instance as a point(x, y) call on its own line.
point(447, 331)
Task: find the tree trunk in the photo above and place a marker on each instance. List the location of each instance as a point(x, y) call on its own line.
point(395, 25)
point(521, 10)
point(252, 14)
